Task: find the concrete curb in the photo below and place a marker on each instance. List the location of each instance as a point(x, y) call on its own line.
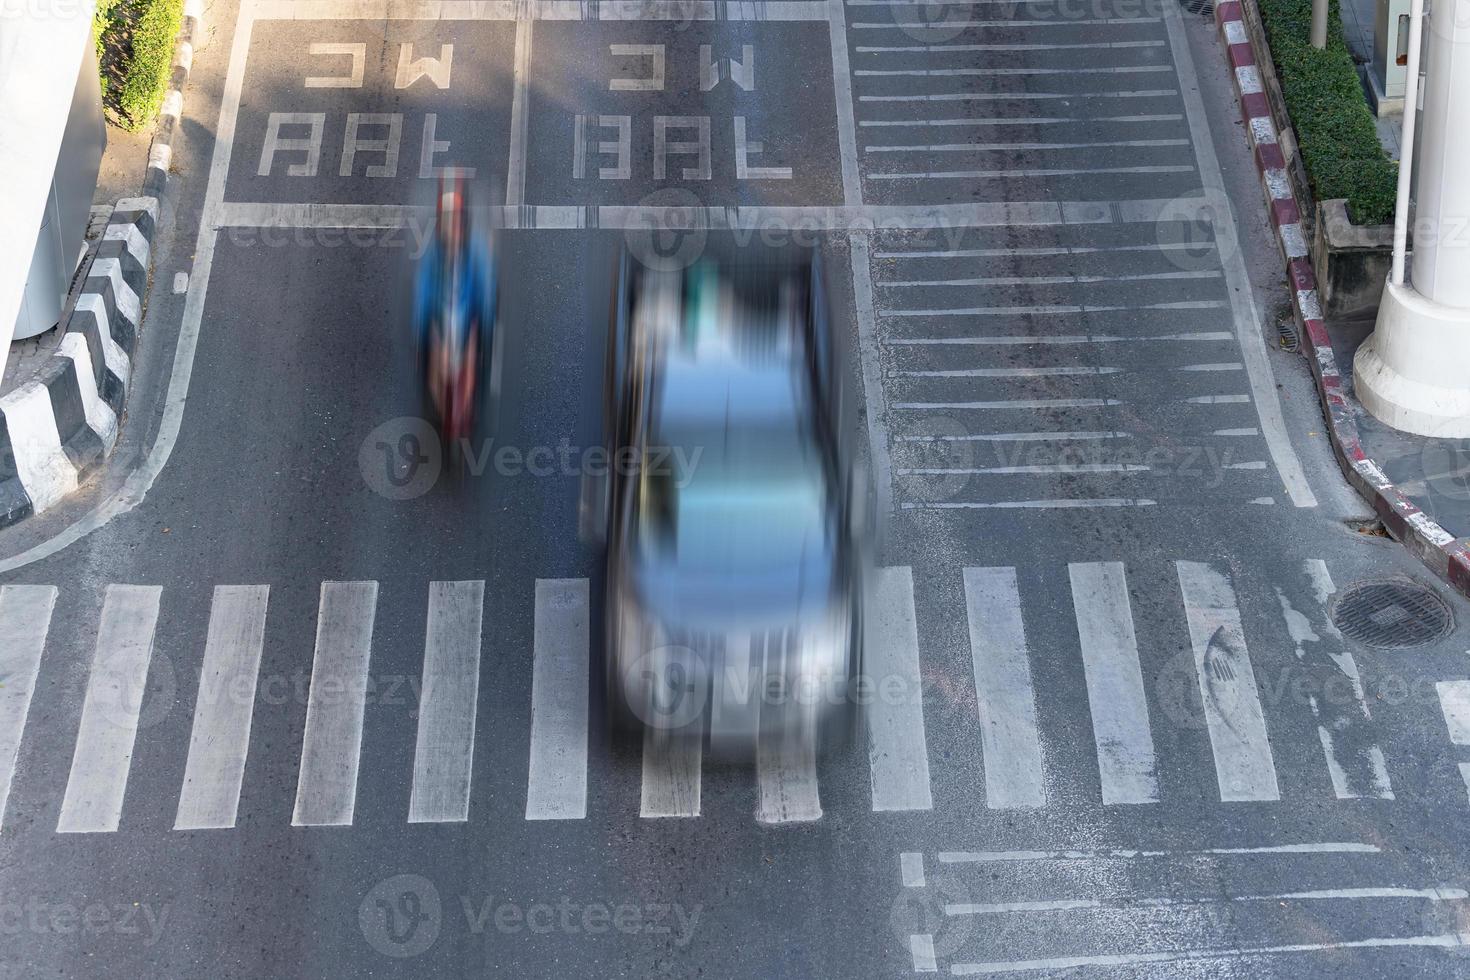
point(63, 422)
point(160, 154)
point(1438, 549)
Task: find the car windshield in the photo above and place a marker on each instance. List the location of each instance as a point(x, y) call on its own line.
point(732, 479)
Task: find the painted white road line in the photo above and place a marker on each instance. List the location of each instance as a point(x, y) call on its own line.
point(1057, 308)
point(1244, 766)
point(563, 10)
point(1070, 97)
point(220, 738)
point(1058, 339)
point(1068, 280)
point(875, 397)
point(1065, 503)
point(1248, 431)
point(25, 619)
point(331, 746)
point(1045, 121)
point(1444, 941)
point(1220, 366)
point(1007, 72)
point(115, 688)
point(1001, 147)
point(898, 750)
point(671, 774)
point(852, 184)
point(941, 48)
point(1218, 400)
point(520, 109)
point(1020, 437)
point(1249, 328)
point(1021, 372)
point(786, 776)
point(894, 25)
point(855, 218)
point(1358, 768)
point(1124, 854)
point(1014, 773)
point(911, 869)
point(557, 784)
point(1465, 776)
point(1026, 470)
point(1180, 168)
point(1016, 403)
point(1454, 703)
point(1115, 691)
point(444, 752)
point(921, 947)
point(1321, 894)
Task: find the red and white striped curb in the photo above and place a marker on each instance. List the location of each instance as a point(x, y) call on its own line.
point(1437, 548)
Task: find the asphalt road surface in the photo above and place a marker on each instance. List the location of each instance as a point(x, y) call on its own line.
point(287, 696)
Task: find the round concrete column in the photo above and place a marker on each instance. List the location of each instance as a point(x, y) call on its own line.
point(1414, 371)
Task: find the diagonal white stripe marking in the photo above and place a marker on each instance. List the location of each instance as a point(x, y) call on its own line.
point(1244, 766)
point(44, 469)
point(326, 787)
point(25, 618)
point(671, 774)
point(898, 752)
point(104, 751)
point(220, 739)
point(1012, 742)
point(557, 787)
point(1115, 693)
point(444, 754)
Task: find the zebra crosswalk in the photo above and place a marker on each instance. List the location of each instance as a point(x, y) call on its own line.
point(999, 623)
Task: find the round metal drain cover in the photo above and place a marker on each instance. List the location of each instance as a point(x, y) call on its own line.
point(1392, 613)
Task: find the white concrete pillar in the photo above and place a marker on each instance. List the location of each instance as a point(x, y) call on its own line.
point(1414, 371)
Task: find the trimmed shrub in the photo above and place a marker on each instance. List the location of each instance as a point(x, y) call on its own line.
point(1333, 124)
point(135, 48)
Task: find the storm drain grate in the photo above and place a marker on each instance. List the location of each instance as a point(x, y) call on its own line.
point(1198, 6)
point(1392, 613)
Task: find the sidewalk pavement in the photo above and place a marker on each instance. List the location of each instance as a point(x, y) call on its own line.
point(1433, 473)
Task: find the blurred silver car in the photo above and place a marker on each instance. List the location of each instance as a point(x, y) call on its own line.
point(734, 517)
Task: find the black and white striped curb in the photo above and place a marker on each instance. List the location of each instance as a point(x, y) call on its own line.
point(63, 422)
point(161, 154)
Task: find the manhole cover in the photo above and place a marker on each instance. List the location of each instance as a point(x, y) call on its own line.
point(1394, 613)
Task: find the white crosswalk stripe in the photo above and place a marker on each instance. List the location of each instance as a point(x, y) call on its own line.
point(671, 774)
point(326, 786)
point(557, 784)
point(104, 750)
point(445, 751)
point(1023, 765)
point(1115, 692)
point(897, 748)
point(25, 619)
point(1007, 703)
point(1244, 766)
point(220, 738)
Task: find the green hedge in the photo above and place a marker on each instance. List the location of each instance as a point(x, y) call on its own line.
point(135, 48)
point(1333, 124)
